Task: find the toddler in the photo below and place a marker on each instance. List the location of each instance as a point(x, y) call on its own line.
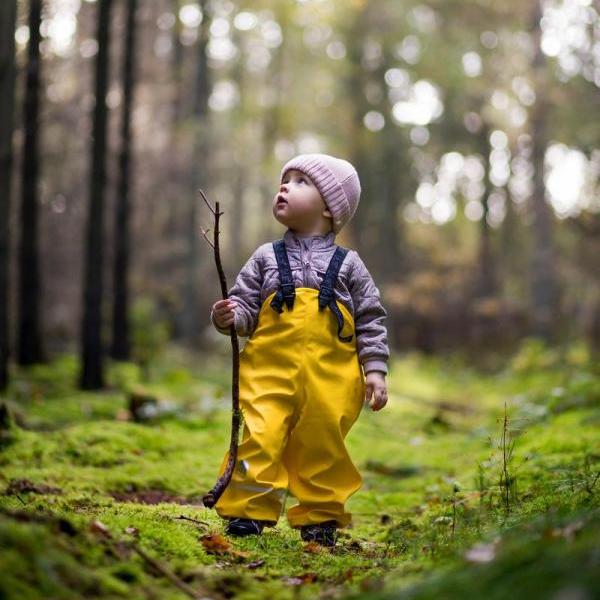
point(317, 349)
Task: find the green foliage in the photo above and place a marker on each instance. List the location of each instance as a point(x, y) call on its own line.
point(52, 379)
point(150, 333)
point(123, 375)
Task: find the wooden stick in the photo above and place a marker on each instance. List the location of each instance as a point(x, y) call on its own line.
point(210, 499)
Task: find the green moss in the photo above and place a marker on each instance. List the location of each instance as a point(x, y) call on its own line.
point(431, 465)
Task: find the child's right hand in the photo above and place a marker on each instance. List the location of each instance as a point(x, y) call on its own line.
point(223, 312)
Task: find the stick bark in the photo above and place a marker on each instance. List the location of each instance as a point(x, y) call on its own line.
point(211, 498)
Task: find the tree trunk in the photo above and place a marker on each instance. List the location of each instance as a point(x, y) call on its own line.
point(177, 72)
point(238, 154)
point(29, 338)
point(121, 346)
point(390, 260)
point(544, 280)
point(92, 374)
point(190, 320)
point(8, 14)
point(486, 284)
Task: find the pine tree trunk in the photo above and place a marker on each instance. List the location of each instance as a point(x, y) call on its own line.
point(190, 316)
point(544, 280)
point(92, 374)
point(29, 291)
point(121, 346)
point(8, 14)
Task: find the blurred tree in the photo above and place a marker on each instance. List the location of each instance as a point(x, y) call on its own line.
point(447, 218)
point(486, 280)
point(121, 345)
point(8, 15)
point(190, 313)
point(544, 277)
point(92, 373)
point(29, 290)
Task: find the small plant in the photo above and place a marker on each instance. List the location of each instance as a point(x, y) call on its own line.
point(508, 471)
point(482, 485)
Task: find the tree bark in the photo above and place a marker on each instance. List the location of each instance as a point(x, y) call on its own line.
point(121, 345)
point(544, 280)
point(8, 15)
point(190, 323)
point(29, 291)
point(92, 374)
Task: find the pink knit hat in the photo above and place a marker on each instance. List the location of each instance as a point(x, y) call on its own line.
point(337, 182)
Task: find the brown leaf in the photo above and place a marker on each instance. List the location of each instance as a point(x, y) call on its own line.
point(239, 555)
point(312, 547)
point(133, 531)
point(215, 544)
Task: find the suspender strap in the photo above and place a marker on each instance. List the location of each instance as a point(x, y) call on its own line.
point(326, 292)
point(286, 291)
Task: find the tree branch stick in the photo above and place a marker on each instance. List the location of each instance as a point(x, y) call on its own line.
point(210, 499)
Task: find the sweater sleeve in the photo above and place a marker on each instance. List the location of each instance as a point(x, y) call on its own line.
point(369, 318)
point(246, 292)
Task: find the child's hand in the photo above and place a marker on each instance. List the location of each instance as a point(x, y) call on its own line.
point(377, 388)
point(223, 312)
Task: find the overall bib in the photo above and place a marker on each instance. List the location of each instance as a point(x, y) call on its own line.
point(301, 389)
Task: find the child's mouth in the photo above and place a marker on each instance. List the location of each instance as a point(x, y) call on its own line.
point(281, 200)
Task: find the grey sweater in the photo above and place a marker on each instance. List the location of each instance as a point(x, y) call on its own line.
point(309, 258)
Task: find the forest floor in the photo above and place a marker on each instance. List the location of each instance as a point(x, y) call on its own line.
point(457, 502)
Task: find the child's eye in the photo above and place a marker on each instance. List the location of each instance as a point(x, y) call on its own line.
point(302, 180)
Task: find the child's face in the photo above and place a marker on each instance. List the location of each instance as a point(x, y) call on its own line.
point(299, 206)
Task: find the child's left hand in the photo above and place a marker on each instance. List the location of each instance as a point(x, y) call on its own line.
point(376, 387)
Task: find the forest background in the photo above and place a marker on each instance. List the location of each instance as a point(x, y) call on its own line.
point(472, 125)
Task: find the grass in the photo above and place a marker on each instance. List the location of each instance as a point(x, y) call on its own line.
point(431, 520)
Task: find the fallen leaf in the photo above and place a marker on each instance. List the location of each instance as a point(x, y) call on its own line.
point(132, 531)
point(215, 544)
point(312, 547)
point(239, 555)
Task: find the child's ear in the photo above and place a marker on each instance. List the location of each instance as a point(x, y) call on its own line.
point(327, 213)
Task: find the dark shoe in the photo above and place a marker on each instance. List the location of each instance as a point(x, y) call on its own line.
point(241, 527)
point(324, 533)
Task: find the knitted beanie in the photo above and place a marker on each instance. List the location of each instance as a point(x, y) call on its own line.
point(337, 182)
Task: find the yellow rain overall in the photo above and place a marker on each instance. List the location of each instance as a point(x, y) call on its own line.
point(301, 389)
